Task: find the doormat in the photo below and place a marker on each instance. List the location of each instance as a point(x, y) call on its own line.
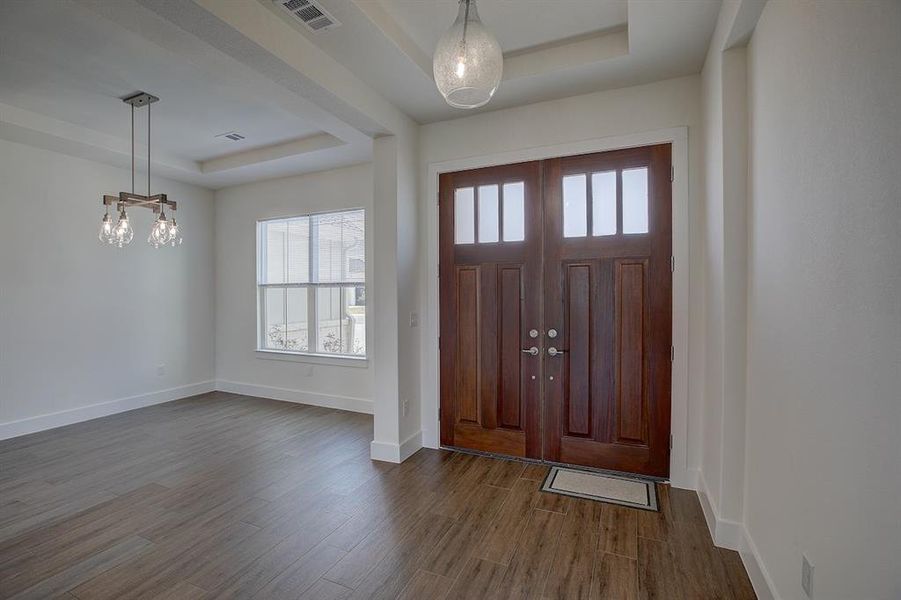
point(634, 492)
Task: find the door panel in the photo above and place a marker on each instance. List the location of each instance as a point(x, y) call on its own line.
point(630, 319)
point(489, 387)
point(579, 245)
point(608, 293)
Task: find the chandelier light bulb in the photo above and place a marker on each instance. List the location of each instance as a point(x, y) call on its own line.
point(106, 229)
point(468, 62)
point(123, 233)
point(461, 67)
point(160, 233)
point(175, 238)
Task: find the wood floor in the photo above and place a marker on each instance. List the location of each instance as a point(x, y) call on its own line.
point(226, 496)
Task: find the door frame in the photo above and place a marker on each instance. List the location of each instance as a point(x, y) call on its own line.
point(680, 473)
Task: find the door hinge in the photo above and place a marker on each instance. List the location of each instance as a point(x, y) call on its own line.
point(672, 354)
point(670, 441)
point(672, 173)
point(672, 264)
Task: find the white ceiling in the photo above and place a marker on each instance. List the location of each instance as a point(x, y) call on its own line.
point(551, 49)
point(64, 61)
point(304, 101)
point(517, 24)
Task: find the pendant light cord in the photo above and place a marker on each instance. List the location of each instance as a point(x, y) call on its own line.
point(465, 24)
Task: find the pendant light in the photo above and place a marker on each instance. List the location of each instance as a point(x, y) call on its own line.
point(163, 232)
point(468, 62)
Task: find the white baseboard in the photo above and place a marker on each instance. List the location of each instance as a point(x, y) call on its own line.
point(94, 411)
point(757, 573)
point(734, 536)
point(685, 479)
point(359, 405)
point(396, 453)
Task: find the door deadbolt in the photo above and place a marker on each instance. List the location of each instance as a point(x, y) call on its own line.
point(533, 333)
point(552, 333)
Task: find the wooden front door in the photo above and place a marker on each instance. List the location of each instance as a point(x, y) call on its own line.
point(490, 268)
point(594, 255)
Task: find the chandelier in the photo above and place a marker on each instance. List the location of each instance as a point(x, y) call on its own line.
point(163, 232)
point(468, 62)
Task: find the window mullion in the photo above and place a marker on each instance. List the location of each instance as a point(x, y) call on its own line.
point(312, 313)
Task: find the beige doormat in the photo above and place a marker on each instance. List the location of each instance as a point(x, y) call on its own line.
point(635, 492)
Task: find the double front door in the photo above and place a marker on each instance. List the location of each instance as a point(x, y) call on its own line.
point(555, 301)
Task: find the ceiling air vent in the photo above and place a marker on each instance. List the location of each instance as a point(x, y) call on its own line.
point(309, 13)
point(232, 135)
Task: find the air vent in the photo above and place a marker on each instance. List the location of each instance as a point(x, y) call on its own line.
point(309, 13)
point(232, 135)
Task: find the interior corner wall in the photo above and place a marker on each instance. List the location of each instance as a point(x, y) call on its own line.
point(239, 368)
point(724, 235)
point(85, 327)
point(824, 298)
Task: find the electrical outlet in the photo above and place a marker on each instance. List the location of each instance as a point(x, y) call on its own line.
point(806, 576)
point(406, 407)
point(414, 319)
point(160, 370)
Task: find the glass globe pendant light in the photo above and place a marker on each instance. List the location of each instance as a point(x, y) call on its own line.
point(160, 233)
point(468, 63)
point(123, 232)
point(106, 229)
point(175, 238)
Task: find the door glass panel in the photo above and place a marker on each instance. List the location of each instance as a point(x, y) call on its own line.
point(635, 200)
point(575, 212)
point(488, 213)
point(514, 212)
point(464, 216)
point(603, 203)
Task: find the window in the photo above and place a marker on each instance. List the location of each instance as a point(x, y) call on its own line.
point(311, 284)
point(635, 200)
point(602, 189)
point(490, 213)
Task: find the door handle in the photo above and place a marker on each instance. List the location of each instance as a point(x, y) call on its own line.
point(533, 351)
point(554, 352)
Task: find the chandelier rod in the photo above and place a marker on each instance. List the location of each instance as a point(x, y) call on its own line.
point(148, 151)
point(132, 148)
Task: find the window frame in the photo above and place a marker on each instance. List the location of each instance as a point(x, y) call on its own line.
point(312, 287)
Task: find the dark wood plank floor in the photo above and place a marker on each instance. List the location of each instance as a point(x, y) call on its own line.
point(226, 496)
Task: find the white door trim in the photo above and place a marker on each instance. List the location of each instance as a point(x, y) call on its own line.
point(680, 473)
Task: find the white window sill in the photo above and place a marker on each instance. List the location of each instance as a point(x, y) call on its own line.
point(360, 362)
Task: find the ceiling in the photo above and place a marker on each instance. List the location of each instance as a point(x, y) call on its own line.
point(71, 63)
point(303, 101)
point(517, 24)
point(551, 49)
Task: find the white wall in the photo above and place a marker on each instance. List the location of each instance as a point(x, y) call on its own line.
point(238, 367)
point(609, 114)
point(396, 423)
point(824, 300)
point(724, 236)
point(83, 323)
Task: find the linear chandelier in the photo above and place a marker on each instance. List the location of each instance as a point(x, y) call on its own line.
point(163, 232)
